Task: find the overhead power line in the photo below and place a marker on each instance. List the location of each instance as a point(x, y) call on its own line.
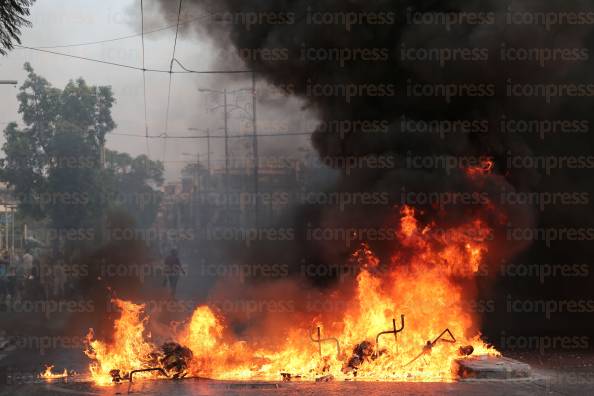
point(170, 78)
point(162, 136)
point(144, 79)
point(87, 43)
point(184, 71)
point(91, 59)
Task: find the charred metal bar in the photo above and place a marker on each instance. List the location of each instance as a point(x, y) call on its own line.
point(452, 341)
point(430, 344)
point(320, 340)
point(159, 369)
point(395, 331)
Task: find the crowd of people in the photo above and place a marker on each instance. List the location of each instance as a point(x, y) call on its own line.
point(29, 277)
point(32, 275)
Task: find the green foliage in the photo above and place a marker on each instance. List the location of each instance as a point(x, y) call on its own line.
point(74, 191)
point(13, 15)
point(133, 180)
point(54, 163)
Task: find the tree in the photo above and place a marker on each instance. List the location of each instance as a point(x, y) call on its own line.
point(191, 170)
point(53, 164)
point(133, 181)
point(13, 15)
point(55, 167)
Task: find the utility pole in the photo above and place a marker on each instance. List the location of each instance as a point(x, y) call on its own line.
point(226, 136)
point(207, 132)
point(208, 150)
point(227, 109)
point(6, 226)
point(197, 200)
point(227, 199)
point(12, 212)
point(226, 146)
point(1, 239)
point(255, 144)
point(196, 172)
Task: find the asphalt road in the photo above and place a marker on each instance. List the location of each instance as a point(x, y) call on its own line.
point(544, 382)
point(554, 374)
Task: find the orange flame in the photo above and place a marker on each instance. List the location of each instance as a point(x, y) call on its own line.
point(129, 350)
point(420, 281)
point(49, 374)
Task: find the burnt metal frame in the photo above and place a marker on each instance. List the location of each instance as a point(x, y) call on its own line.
point(438, 338)
point(159, 369)
point(395, 331)
point(430, 344)
point(320, 340)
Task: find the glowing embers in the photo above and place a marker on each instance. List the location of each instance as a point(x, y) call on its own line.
point(49, 374)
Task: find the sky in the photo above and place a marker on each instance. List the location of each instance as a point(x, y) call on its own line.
point(65, 22)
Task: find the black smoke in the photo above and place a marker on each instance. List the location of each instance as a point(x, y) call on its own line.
point(382, 80)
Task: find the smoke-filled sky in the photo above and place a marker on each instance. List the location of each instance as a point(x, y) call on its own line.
point(324, 58)
point(64, 22)
point(419, 95)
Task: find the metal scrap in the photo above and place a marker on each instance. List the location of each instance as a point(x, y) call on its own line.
point(428, 347)
point(320, 340)
point(395, 331)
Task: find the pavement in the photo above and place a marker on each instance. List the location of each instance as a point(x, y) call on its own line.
point(543, 382)
point(552, 374)
point(201, 387)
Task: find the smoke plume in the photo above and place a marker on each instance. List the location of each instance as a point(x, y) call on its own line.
point(348, 62)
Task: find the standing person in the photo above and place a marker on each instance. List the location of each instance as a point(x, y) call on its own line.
point(27, 264)
point(172, 270)
point(3, 279)
point(12, 277)
point(27, 275)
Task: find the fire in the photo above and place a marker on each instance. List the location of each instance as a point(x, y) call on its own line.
point(420, 292)
point(49, 374)
point(129, 349)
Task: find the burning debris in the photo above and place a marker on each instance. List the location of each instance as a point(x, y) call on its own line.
point(466, 350)
point(362, 353)
point(175, 359)
point(319, 340)
point(206, 347)
point(394, 331)
point(131, 353)
point(171, 361)
point(430, 344)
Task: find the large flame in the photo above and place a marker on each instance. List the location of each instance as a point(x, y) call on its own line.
point(129, 350)
point(422, 281)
